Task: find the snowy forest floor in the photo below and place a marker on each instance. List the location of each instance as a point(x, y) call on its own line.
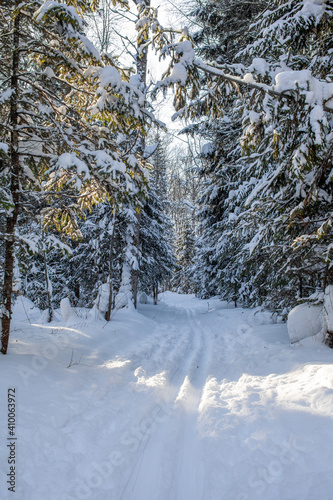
point(186, 400)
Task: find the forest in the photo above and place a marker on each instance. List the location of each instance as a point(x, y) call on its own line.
point(98, 202)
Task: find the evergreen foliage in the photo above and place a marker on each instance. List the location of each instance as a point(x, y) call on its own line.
point(182, 281)
point(66, 119)
point(270, 192)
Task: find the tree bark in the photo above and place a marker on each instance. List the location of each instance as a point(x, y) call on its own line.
point(155, 291)
point(108, 312)
point(141, 66)
point(47, 283)
point(14, 187)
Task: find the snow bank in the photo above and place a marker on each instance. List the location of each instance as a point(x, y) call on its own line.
point(305, 321)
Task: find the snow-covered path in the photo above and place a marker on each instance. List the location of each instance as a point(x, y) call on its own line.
point(187, 400)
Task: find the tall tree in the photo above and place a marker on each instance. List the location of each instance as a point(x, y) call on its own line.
point(182, 280)
point(156, 231)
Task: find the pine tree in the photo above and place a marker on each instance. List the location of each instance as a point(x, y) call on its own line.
point(182, 280)
point(156, 232)
point(224, 27)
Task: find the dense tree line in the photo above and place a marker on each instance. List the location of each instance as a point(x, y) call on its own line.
point(265, 211)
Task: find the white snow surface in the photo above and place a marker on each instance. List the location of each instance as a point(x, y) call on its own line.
point(187, 400)
point(305, 320)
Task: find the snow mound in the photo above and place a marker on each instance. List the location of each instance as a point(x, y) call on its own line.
point(25, 310)
point(304, 321)
point(122, 299)
point(66, 309)
point(102, 299)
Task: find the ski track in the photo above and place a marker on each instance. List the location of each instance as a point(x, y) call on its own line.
point(184, 479)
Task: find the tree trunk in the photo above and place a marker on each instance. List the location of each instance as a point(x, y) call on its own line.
point(14, 187)
point(135, 272)
point(108, 312)
point(141, 66)
point(47, 284)
point(300, 286)
point(325, 277)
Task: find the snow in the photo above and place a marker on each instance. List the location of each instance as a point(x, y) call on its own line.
point(254, 117)
point(50, 4)
point(89, 48)
point(178, 74)
point(5, 96)
point(4, 147)
point(248, 78)
point(66, 309)
point(316, 91)
point(67, 160)
point(315, 8)
point(48, 72)
point(187, 400)
point(135, 81)
point(143, 298)
point(305, 320)
point(110, 76)
point(107, 162)
point(328, 308)
point(102, 299)
point(186, 50)
point(208, 149)
point(150, 150)
point(260, 66)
